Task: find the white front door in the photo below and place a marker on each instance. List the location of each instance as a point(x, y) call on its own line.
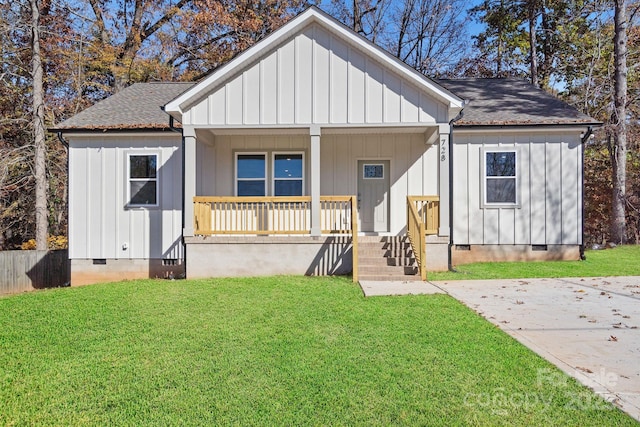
point(373, 195)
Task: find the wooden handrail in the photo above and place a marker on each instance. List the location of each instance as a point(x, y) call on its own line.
point(423, 218)
point(428, 208)
point(354, 238)
point(417, 237)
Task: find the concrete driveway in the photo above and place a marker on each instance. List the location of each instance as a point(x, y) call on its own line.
point(588, 327)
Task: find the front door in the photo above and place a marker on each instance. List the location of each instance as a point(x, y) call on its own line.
point(373, 195)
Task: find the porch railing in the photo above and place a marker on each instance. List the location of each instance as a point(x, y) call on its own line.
point(428, 208)
point(422, 220)
point(276, 215)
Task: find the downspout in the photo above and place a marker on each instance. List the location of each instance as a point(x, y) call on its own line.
point(583, 141)
point(64, 142)
point(451, 123)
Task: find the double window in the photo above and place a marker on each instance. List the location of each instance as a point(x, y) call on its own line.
point(143, 180)
point(287, 174)
point(500, 177)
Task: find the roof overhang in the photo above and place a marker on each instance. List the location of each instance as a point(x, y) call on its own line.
point(528, 127)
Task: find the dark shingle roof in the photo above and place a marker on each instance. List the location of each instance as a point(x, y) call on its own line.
point(136, 107)
point(490, 102)
point(510, 101)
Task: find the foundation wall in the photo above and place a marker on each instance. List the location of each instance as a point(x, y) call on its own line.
point(496, 253)
point(88, 271)
point(266, 256)
point(437, 253)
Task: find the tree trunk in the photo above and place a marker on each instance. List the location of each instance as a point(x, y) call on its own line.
point(38, 130)
point(619, 121)
point(357, 23)
point(532, 43)
point(547, 49)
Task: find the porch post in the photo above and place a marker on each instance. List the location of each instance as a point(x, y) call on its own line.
point(314, 174)
point(189, 178)
point(444, 178)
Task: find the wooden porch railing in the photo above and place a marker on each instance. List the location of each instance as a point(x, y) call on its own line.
point(428, 208)
point(422, 220)
point(276, 215)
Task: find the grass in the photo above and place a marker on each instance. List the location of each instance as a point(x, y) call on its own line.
point(271, 351)
point(619, 261)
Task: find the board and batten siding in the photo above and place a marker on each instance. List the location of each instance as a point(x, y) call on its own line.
point(100, 223)
point(414, 167)
point(315, 78)
point(549, 190)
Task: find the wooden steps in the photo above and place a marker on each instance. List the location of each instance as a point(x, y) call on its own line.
point(386, 258)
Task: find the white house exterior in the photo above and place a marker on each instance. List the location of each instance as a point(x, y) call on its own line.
point(283, 159)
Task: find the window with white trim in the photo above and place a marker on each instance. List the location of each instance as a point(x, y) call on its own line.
point(500, 177)
point(251, 174)
point(143, 180)
point(288, 174)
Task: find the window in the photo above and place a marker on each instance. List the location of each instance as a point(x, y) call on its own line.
point(500, 178)
point(143, 180)
point(288, 173)
point(373, 171)
point(251, 175)
point(285, 169)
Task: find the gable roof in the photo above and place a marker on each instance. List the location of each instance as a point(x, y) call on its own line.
point(291, 28)
point(138, 106)
point(511, 101)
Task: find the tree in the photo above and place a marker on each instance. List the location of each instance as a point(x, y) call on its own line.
point(503, 42)
point(429, 35)
point(366, 17)
point(39, 130)
point(146, 40)
point(19, 120)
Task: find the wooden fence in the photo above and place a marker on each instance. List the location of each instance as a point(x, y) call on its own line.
point(27, 270)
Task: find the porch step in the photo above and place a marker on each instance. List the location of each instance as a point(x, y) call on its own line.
point(389, 278)
point(387, 261)
point(387, 270)
point(386, 258)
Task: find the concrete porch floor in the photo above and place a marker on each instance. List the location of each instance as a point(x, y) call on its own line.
point(588, 327)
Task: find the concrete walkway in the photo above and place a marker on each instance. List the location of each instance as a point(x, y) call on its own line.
point(372, 288)
point(587, 327)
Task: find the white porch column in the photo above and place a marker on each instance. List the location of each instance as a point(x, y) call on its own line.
point(189, 173)
point(443, 178)
point(314, 175)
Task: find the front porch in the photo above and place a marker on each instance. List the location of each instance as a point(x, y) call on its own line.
point(252, 236)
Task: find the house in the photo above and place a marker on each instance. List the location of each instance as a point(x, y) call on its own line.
point(317, 152)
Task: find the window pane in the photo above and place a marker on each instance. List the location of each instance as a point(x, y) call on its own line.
point(288, 188)
point(501, 190)
point(501, 163)
point(287, 166)
point(251, 166)
point(373, 171)
point(251, 188)
point(143, 166)
point(143, 193)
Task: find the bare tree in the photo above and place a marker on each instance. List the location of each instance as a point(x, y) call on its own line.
point(619, 121)
point(429, 35)
point(39, 129)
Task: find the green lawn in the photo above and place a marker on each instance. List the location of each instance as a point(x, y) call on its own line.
point(270, 351)
point(620, 261)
